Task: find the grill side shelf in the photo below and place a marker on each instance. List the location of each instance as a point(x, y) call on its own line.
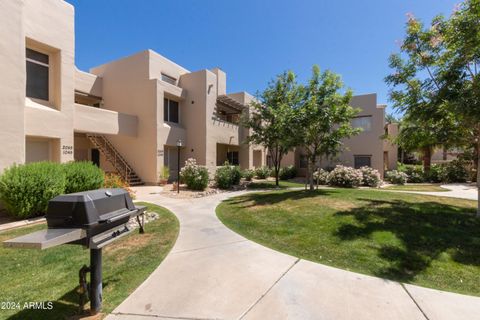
point(47, 238)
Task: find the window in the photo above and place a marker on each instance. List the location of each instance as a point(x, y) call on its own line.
point(232, 157)
point(303, 161)
point(170, 110)
point(37, 75)
point(169, 79)
point(362, 161)
point(363, 122)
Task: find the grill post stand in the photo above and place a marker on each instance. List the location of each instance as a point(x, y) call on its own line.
point(95, 280)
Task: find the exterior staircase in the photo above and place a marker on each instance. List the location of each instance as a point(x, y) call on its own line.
point(115, 158)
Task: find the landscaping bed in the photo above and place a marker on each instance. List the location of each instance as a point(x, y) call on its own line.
point(52, 274)
point(424, 240)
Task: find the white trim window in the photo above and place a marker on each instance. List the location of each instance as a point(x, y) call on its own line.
point(171, 111)
point(363, 122)
point(37, 75)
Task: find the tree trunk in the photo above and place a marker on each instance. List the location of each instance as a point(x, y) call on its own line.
point(478, 179)
point(311, 165)
point(306, 177)
point(427, 159)
point(277, 170)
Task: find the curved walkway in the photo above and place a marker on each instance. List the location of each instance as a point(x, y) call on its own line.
point(214, 273)
point(459, 190)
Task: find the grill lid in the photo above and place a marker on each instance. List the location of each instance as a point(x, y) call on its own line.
point(89, 208)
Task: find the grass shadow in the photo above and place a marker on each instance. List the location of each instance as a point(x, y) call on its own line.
point(63, 307)
point(427, 231)
point(270, 198)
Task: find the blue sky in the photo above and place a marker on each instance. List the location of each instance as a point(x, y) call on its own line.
point(253, 40)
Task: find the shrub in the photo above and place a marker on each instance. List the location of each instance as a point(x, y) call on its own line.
point(347, 177)
point(263, 172)
point(193, 175)
point(434, 175)
point(227, 176)
point(82, 176)
point(113, 180)
point(396, 177)
point(26, 189)
point(370, 177)
point(454, 171)
point(164, 173)
point(415, 173)
point(320, 177)
point(286, 173)
point(248, 174)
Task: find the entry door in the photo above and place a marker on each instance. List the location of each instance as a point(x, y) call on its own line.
point(95, 157)
point(170, 159)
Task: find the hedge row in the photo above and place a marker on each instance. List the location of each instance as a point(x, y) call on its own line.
point(453, 171)
point(26, 189)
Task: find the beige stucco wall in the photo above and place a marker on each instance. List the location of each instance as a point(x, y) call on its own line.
point(128, 89)
point(96, 120)
point(390, 148)
point(88, 83)
point(365, 143)
point(132, 90)
point(12, 83)
point(48, 27)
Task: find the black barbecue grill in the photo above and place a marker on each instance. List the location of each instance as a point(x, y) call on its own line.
point(93, 219)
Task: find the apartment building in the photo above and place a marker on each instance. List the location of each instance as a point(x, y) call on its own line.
point(129, 115)
point(364, 149)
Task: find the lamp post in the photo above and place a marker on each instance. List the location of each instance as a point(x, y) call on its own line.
point(179, 145)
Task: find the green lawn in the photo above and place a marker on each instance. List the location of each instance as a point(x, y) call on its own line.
point(425, 240)
point(270, 184)
point(417, 187)
point(52, 275)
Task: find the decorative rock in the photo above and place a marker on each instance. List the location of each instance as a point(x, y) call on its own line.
point(149, 216)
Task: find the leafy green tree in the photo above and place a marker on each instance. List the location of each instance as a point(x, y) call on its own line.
point(423, 136)
point(460, 73)
point(272, 118)
point(325, 116)
point(436, 76)
point(391, 118)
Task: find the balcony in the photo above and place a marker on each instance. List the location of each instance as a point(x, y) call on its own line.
point(101, 121)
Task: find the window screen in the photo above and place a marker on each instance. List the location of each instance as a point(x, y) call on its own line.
point(37, 75)
point(362, 161)
point(364, 122)
point(169, 79)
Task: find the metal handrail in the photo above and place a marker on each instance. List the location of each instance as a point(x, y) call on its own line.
point(109, 149)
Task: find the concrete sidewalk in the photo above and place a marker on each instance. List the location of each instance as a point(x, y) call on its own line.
point(460, 190)
point(214, 273)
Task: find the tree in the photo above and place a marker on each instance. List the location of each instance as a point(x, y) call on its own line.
point(460, 72)
point(325, 115)
point(391, 118)
point(272, 118)
point(436, 76)
point(423, 136)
